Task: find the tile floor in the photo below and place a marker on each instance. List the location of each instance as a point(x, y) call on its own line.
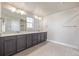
point(49, 49)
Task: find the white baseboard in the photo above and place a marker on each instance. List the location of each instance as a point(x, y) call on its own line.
point(68, 45)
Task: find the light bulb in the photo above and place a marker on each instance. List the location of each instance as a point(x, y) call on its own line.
point(18, 11)
point(40, 18)
point(22, 13)
point(12, 9)
point(36, 17)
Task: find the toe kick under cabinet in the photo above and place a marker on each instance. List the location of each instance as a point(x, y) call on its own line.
point(10, 45)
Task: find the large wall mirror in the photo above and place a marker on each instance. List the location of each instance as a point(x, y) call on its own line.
point(12, 22)
point(17, 21)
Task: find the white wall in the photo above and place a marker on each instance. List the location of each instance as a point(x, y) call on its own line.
point(63, 27)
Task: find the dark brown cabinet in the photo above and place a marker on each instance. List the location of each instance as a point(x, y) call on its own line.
point(21, 42)
point(29, 40)
point(42, 37)
point(1, 46)
point(45, 36)
point(39, 37)
point(35, 38)
point(9, 45)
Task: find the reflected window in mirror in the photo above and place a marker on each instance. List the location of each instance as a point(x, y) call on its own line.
point(29, 21)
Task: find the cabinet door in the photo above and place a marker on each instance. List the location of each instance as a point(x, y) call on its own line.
point(21, 42)
point(45, 36)
point(1, 47)
point(29, 40)
point(35, 38)
point(9, 45)
point(41, 36)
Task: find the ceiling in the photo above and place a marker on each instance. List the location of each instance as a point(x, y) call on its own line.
point(44, 8)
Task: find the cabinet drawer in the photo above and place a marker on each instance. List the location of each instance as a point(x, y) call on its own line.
point(10, 37)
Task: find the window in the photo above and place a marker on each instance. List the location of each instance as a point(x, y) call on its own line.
point(29, 22)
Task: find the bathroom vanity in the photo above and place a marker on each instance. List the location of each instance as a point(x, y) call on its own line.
point(12, 44)
point(19, 31)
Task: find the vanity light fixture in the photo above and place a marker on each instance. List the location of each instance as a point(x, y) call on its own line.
point(13, 9)
point(36, 17)
point(40, 18)
point(19, 11)
point(23, 13)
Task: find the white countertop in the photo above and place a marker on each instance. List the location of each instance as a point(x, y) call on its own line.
point(19, 33)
